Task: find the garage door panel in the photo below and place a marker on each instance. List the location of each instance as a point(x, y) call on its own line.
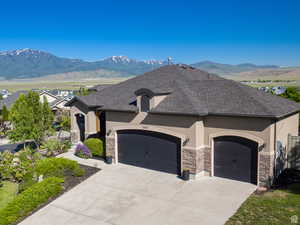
point(235, 158)
point(150, 150)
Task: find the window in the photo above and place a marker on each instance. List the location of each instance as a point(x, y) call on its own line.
point(145, 103)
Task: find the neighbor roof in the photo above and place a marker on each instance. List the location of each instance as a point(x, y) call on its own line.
point(191, 91)
point(11, 99)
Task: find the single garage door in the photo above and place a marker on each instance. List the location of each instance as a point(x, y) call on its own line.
point(235, 158)
point(150, 150)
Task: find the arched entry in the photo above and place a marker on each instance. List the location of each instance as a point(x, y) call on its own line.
point(235, 158)
point(80, 119)
point(150, 150)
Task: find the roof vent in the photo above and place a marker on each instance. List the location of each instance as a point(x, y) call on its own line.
point(186, 67)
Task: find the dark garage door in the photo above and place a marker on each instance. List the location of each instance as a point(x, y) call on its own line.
point(150, 150)
point(235, 158)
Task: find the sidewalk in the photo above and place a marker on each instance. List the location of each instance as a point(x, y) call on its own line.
point(98, 163)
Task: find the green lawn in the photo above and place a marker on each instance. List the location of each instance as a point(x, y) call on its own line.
point(270, 208)
point(7, 192)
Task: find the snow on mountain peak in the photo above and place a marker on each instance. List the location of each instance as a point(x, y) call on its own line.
point(23, 51)
point(120, 59)
point(153, 62)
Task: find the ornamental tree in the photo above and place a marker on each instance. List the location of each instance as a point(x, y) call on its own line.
point(30, 118)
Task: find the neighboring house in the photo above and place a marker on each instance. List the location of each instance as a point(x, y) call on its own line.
point(11, 99)
point(4, 93)
point(265, 89)
point(67, 94)
point(178, 117)
point(56, 103)
point(278, 90)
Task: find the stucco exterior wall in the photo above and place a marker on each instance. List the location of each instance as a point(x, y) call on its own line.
point(197, 135)
point(90, 121)
point(287, 126)
point(182, 126)
point(250, 128)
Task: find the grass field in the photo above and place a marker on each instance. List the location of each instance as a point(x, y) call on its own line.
point(273, 84)
point(273, 207)
point(7, 192)
point(17, 85)
point(70, 85)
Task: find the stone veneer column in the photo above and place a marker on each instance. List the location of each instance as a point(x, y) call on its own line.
point(193, 160)
point(189, 159)
point(110, 147)
point(265, 170)
point(207, 160)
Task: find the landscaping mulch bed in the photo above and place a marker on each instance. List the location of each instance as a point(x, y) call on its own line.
point(70, 182)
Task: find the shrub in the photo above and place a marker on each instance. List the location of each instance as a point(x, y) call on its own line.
point(58, 167)
point(54, 147)
point(66, 145)
point(51, 167)
point(15, 166)
point(30, 199)
point(96, 146)
point(82, 151)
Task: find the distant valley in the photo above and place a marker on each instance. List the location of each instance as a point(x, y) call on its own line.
point(38, 65)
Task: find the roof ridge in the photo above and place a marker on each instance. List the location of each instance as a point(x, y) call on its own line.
point(187, 96)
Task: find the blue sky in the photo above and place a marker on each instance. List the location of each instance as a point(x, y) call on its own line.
point(262, 32)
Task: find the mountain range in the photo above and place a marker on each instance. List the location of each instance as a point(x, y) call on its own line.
point(29, 63)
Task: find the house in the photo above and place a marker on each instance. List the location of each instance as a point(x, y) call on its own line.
point(4, 93)
point(56, 103)
point(178, 117)
point(67, 94)
point(278, 90)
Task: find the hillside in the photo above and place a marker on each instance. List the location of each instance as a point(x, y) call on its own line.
point(227, 69)
point(289, 73)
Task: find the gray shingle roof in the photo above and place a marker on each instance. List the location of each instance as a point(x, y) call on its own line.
point(192, 91)
point(99, 87)
point(11, 99)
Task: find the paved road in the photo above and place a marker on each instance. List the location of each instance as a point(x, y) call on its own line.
point(13, 147)
point(127, 195)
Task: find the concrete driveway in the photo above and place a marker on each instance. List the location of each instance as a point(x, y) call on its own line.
point(126, 195)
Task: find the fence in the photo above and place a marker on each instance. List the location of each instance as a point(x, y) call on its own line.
point(294, 151)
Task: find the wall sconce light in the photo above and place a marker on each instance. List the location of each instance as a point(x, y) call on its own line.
point(185, 141)
point(108, 132)
point(261, 147)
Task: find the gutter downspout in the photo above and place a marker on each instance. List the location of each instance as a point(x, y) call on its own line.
point(275, 150)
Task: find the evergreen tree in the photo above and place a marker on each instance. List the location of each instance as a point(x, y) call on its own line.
point(4, 113)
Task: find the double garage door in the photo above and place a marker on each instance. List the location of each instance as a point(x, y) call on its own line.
point(150, 150)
